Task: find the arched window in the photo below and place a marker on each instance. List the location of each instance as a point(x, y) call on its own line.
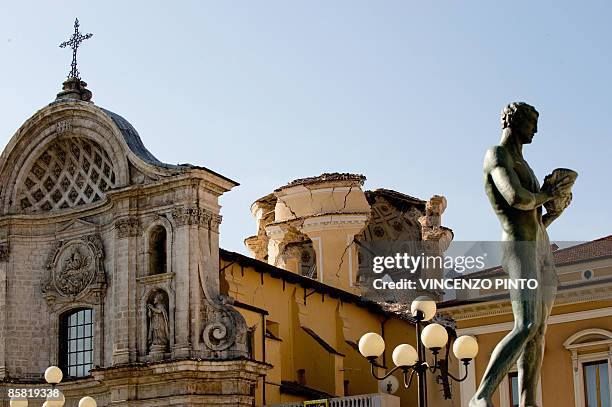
point(76, 342)
point(157, 250)
point(591, 352)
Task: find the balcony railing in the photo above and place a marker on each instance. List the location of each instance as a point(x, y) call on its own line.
point(364, 400)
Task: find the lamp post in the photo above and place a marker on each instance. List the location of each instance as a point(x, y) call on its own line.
point(413, 361)
point(53, 376)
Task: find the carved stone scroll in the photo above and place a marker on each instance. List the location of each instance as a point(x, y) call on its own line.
point(196, 216)
point(225, 334)
point(128, 227)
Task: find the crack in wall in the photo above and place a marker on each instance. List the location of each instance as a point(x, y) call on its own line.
point(346, 197)
point(289, 208)
point(346, 249)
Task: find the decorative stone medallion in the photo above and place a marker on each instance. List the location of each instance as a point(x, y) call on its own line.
point(74, 270)
point(75, 267)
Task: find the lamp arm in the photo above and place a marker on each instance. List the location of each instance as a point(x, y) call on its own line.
point(408, 383)
point(464, 376)
point(390, 372)
point(436, 365)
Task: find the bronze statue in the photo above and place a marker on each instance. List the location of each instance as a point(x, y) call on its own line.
point(517, 199)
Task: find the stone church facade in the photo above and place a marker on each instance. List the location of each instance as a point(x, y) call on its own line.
point(109, 261)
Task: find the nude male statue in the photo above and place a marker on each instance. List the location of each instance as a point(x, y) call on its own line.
point(517, 199)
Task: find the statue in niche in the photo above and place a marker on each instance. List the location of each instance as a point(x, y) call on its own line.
point(517, 199)
point(159, 327)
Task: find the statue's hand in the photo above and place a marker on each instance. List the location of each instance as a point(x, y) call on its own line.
point(559, 183)
point(561, 188)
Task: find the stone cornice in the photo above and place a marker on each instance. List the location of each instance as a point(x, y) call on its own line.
point(191, 178)
point(502, 307)
point(333, 220)
point(189, 215)
point(156, 278)
point(112, 196)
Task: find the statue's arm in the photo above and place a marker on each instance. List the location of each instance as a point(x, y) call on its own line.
point(500, 168)
point(547, 219)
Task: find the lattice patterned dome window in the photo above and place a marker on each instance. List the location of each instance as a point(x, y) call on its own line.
point(69, 173)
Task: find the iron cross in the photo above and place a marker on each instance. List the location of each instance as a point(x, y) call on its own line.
point(74, 42)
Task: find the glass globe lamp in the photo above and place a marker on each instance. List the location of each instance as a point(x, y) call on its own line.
point(53, 375)
point(58, 401)
point(404, 355)
point(371, 345)
point(434, 337)
point(424, 308)
point(87, 402)
point(18, 402)
point(465, 348)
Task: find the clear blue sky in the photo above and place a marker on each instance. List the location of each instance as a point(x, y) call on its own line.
point(407, 93)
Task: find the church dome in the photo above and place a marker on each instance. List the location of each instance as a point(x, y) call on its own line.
point(70, 153)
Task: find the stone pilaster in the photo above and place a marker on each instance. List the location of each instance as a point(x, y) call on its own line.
point(184, 219)
point(124, 291)
point(4, 258)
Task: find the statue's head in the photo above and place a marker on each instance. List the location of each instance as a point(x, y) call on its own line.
point(158, 299)
point(522, 119)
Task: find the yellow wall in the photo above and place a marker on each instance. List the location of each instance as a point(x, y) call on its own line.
point(336, 322)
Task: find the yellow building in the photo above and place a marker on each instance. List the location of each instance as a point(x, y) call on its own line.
point(577, 370)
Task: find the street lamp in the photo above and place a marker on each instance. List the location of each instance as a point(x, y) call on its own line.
point(87, 402)
point(53, 376)
point(18, 402)
point(412, 361)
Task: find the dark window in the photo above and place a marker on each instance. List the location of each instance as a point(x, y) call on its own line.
point(157, 250)
point(301, 376)
point(76, 342)
point(251, 341)
point(514, 389)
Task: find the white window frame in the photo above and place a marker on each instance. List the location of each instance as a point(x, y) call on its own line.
point(468, 388)
point(579, 358)
point(504, 390)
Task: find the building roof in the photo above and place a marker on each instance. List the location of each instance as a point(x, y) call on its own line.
point(385, 309)
point(594, 250)
point(134, 142)
point(589, 251)
point(400, 201)
point(326, 177)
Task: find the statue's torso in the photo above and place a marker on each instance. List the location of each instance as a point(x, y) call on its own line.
point(517, 224)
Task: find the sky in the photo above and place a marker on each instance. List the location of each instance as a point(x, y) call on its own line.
point(407, 93)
